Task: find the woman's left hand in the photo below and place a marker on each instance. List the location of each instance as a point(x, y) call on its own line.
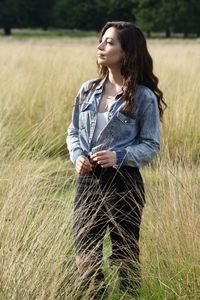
point(105, 158)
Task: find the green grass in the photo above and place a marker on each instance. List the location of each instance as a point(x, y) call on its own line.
point(50, 34)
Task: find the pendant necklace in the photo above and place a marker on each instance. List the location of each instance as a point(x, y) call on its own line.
point(110, 97)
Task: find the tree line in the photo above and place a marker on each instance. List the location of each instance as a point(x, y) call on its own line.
point(170, 16)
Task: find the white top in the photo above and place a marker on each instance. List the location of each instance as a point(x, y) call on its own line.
point(102, 120)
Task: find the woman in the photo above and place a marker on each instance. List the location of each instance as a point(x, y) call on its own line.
point(114, 131)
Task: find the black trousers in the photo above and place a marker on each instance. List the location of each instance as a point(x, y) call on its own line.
point(109, 197)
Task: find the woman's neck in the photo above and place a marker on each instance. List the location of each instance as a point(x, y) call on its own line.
point(115, 79)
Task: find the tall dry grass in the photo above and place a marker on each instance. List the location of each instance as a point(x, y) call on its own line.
point(38, 82)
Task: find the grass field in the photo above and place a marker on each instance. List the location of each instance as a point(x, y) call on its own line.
point(39, 79)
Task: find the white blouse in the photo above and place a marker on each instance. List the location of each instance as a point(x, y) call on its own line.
point(102, 120)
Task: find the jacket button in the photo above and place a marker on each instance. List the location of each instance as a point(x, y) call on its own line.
point(125, 121)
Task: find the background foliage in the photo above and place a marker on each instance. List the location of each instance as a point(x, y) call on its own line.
point(151, 15)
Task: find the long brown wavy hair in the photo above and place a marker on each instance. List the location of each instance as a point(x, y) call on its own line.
point(137, 65)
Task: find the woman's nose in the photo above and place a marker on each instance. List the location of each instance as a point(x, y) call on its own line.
point(100, 46)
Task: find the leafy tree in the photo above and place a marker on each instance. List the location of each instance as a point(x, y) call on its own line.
point(87, 14)
point(15, 13)
point(169, 15)
point(187, 17)
point(41, 13)
point(180, 16)
point(122, 10)
point(166, 16)
point(75, 14)
point(195, 20)
point(9, 15)
point(151, 15)
point(183, 15)
point(102, 16)
point(147, 15)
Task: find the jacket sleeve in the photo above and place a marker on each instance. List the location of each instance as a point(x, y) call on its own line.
point(148, 146)
point(72, 139)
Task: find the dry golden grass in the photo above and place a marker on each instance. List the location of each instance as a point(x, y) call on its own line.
point(38, 82)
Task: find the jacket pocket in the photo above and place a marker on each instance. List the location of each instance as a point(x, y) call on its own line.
point(127, 128)
point(86, 116)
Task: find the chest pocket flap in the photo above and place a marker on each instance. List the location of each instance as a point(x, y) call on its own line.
point(125, 119)
point(87, 106)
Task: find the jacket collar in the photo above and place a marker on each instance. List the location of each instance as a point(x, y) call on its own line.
point(100, 85)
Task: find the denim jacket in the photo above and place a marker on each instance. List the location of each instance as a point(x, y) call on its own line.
point(136, 141)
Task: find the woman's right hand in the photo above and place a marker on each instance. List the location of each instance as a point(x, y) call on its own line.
point(83, 165)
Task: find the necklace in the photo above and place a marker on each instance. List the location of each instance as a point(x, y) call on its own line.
point(109, 99)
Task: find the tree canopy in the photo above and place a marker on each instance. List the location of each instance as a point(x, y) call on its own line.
point(151, 15)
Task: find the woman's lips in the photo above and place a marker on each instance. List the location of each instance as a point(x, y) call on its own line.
point(100, 54)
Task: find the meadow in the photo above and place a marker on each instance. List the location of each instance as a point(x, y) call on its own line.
point(39, 79)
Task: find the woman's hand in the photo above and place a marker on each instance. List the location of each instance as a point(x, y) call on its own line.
point(83, 165)
point(105, 158)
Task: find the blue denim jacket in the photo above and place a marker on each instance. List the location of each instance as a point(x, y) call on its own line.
point(136, 141)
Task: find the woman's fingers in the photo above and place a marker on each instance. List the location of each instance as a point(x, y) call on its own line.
point(83, 165)
point(82, 169)
point(101, 154)
point(105, 158)
point(83, 160)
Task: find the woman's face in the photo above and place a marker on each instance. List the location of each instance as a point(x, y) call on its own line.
point(109, 52)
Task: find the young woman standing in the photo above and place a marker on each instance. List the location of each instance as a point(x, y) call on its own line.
point(115, 130)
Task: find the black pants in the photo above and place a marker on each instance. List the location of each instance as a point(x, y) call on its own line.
point(109, 197)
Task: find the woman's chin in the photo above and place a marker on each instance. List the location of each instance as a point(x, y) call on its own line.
point(101, 62)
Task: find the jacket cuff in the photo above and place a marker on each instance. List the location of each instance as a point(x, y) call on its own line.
point(121, 154)
point(76, 154)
